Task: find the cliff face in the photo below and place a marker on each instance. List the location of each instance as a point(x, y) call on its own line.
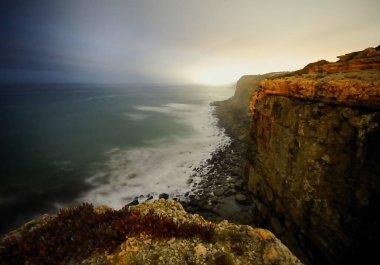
point(234, 113)
point(313, 161)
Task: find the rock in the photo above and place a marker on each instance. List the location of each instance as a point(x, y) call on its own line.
point(352, 62)
point(192, 240)
point(194, 203)
point(241, 198)
point(352, 87)
point(239, 184)
point(149, 198)
point(207, 207)
point(163, 196)
point(254, 245)
point(229, 209)
point(219, 192)
point(326, 158)
point(232, 180)
point(134, 202)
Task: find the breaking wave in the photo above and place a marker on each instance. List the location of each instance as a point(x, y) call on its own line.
point(162, 165)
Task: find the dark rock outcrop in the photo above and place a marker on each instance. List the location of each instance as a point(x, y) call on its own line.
point(313, 162)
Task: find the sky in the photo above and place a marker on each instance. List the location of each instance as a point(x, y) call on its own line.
point(176, 41)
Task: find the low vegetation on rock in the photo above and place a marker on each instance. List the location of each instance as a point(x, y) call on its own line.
point(75, 233)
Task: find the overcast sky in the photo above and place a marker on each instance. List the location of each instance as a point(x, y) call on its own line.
point(180, 41)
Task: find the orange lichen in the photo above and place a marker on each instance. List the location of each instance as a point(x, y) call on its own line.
point(263, 233)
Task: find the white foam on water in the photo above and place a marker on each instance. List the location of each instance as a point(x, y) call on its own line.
point(136, 116)
point(113, 150)
point(103, 97)
point(162, 167)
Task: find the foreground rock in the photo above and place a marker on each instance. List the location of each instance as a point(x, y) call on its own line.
point(228, 243)
point(192, 240)
point(313, 163)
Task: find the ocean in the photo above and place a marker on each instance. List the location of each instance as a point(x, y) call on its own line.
point(61, 145)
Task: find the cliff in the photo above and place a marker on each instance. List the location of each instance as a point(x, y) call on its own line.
point(154, 232)
point(313, 161)
point(234, 113)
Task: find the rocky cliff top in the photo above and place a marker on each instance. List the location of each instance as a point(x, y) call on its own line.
point(154, 232)
point(353, 80)
point(350, 62)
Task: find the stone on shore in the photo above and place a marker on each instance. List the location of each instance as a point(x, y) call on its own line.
point(163, 196)
point(240, 198)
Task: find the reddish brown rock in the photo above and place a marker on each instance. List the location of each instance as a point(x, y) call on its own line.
point(313, 161)
point(351, 62)
point(353, 80)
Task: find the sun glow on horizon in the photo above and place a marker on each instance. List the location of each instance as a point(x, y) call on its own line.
point(215, 76)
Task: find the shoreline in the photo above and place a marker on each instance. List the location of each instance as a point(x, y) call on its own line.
point(221, 193)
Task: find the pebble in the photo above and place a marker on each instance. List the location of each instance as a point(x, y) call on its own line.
point(163, 196)
point(240, 198)
point(207, 207)
point(239, 184)
point(218, 192)
point(134, 202)
point(149, 198)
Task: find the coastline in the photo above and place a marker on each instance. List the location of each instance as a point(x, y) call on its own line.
point(186, 137)
point(221, 193)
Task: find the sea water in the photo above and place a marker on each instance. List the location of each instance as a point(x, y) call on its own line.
point(105, 144)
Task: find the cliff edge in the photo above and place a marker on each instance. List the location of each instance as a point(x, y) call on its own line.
point(234, 114)
point(313, 161)
point(154, 232)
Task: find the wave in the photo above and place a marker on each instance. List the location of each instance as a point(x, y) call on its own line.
point(136, 116)
point(103, 97)
point(170, 108)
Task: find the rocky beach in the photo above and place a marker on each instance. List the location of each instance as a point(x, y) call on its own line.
point(222, 192)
